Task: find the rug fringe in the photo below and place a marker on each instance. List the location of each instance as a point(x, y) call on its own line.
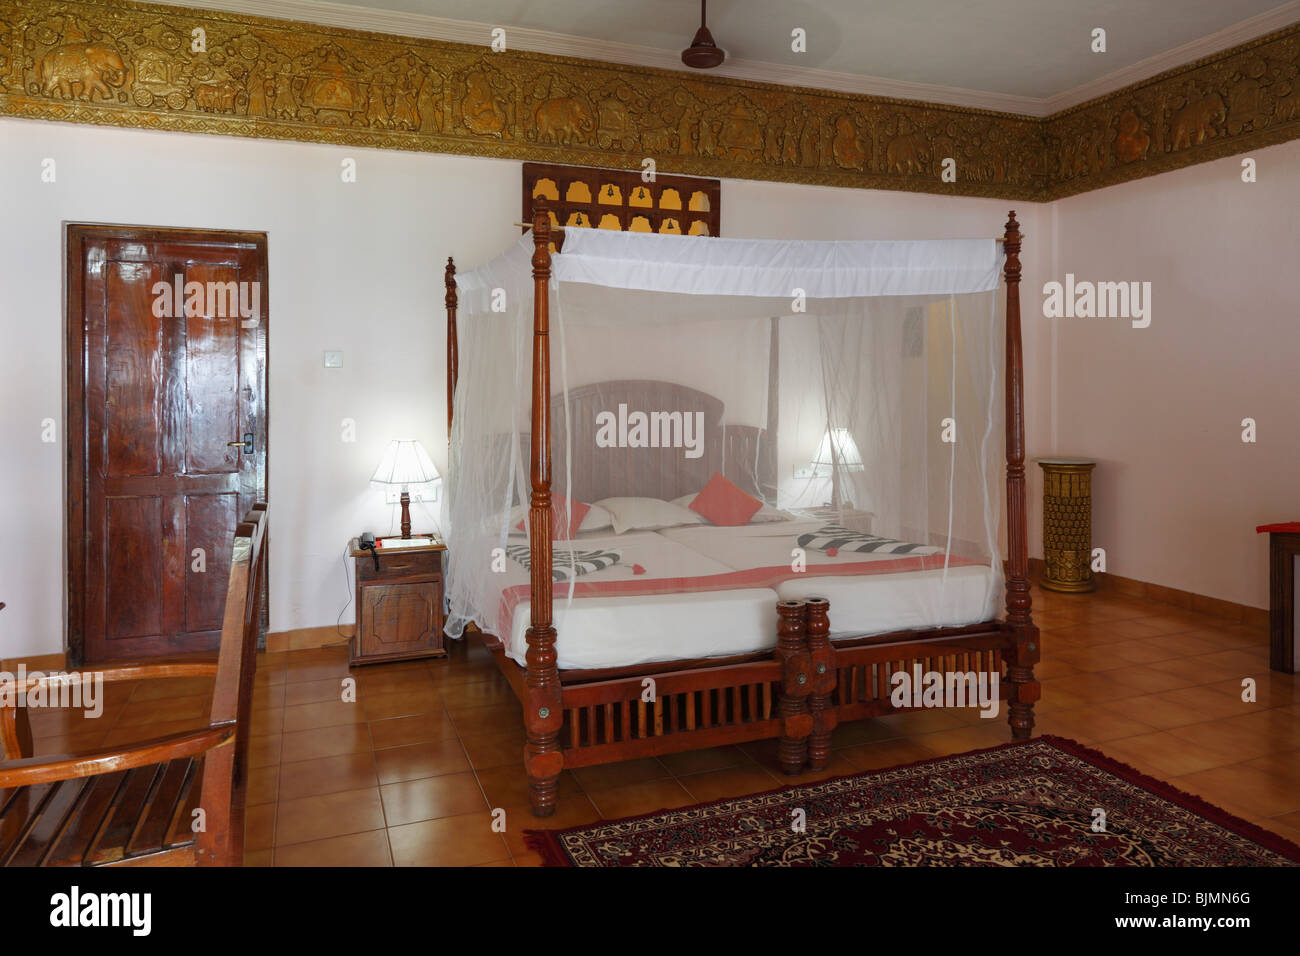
point(546, 844)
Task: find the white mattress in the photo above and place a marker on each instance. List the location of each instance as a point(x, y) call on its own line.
point(595, 632)
point(620, 631)
point(860, 604)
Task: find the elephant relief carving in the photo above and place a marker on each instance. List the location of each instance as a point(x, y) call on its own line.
point(1197, 121)
point(563, 120)
point(82, 70)
point(617, 127)
point(907, 152)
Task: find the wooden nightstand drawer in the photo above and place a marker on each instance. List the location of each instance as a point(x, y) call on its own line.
point(397, 563)
point(399, 604)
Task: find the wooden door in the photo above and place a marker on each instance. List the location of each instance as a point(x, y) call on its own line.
point(167, 334)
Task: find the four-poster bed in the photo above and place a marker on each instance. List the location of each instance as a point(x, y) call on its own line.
point(798, 691)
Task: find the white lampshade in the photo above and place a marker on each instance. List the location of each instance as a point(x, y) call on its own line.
point(405, 463)
point(843, 453)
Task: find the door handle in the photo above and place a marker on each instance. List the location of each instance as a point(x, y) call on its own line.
point(246, 444)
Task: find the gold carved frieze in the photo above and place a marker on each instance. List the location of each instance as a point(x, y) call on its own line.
point(1238, 100)
point(134, 65)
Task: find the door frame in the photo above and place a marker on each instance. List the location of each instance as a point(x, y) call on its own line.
point(75, 372)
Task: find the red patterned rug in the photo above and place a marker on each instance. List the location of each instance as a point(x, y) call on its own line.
point(1028, 803)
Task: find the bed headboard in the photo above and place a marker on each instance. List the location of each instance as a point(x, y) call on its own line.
point(741, 452)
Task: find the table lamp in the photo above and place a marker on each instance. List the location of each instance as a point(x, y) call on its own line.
point(405, 463)
point(837, 453)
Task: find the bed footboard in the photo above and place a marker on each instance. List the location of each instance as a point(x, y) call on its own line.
point(644, 716)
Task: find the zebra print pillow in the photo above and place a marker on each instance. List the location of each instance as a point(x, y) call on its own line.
point(566, 564)
point(833, 539)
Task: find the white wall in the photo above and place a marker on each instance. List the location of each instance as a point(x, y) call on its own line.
point(357, 267)
point(1177, 495)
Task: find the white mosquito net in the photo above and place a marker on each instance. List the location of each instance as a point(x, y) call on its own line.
point(849, 391)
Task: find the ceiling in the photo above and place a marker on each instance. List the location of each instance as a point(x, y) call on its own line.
point(1021, 55)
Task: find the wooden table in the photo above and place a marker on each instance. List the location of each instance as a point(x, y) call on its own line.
point(1283, 582)
point(399, 602)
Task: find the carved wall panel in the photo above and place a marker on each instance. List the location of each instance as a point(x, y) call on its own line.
point(130, 64)
point(1241, 99)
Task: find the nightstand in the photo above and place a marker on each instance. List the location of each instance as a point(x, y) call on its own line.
point(846, 517)
point(399, 602)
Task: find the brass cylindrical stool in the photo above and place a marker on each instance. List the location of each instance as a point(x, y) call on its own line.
point(1067, 523)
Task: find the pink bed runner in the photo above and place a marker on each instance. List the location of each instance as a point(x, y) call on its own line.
point(768, 577)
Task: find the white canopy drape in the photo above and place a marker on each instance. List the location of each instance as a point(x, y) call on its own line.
point(895, 344)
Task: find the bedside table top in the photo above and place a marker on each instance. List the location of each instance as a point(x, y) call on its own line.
point(434, 544)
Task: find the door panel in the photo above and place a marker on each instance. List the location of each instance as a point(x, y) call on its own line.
point(158, 395)
point(134, 546)
point(212, 371)
point(208, 520)
point(132, 338)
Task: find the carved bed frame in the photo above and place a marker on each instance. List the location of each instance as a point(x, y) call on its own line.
point(797, 693)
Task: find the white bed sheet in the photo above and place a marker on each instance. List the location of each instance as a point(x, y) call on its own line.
point(619, 631)
point(860, 604)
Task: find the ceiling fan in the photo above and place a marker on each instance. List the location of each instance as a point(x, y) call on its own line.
point(703, 53)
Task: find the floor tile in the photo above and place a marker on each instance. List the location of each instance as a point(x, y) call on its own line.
point(428, 798)
point(430, 759)
point(449, 841)
point(309, 778)
point(632, 799)
point(354, 849)
point(327, 815)
point(325, 742)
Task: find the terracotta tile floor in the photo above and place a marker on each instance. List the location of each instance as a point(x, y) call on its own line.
point(409, 774)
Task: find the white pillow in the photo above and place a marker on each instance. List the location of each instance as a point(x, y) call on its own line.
point(596, 519)
point(647, 514)
point(761, 516)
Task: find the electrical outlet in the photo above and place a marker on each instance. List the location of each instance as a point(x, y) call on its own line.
point(333, 359)
point(428, 494)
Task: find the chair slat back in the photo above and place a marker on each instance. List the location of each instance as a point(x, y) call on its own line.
point(221, 842)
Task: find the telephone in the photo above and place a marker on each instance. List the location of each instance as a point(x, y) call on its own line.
point(366, 542)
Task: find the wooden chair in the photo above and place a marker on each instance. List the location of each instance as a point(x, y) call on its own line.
point(134, 805)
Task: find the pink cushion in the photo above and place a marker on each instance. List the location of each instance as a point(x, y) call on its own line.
point(565, 514)
point(723, 503)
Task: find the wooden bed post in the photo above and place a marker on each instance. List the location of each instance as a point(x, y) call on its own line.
point(453, 357)
point(821, 702)
point(792, 703)
point(1023, 650)
point(543, 713)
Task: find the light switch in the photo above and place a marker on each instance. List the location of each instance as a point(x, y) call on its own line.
point(333, 359)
